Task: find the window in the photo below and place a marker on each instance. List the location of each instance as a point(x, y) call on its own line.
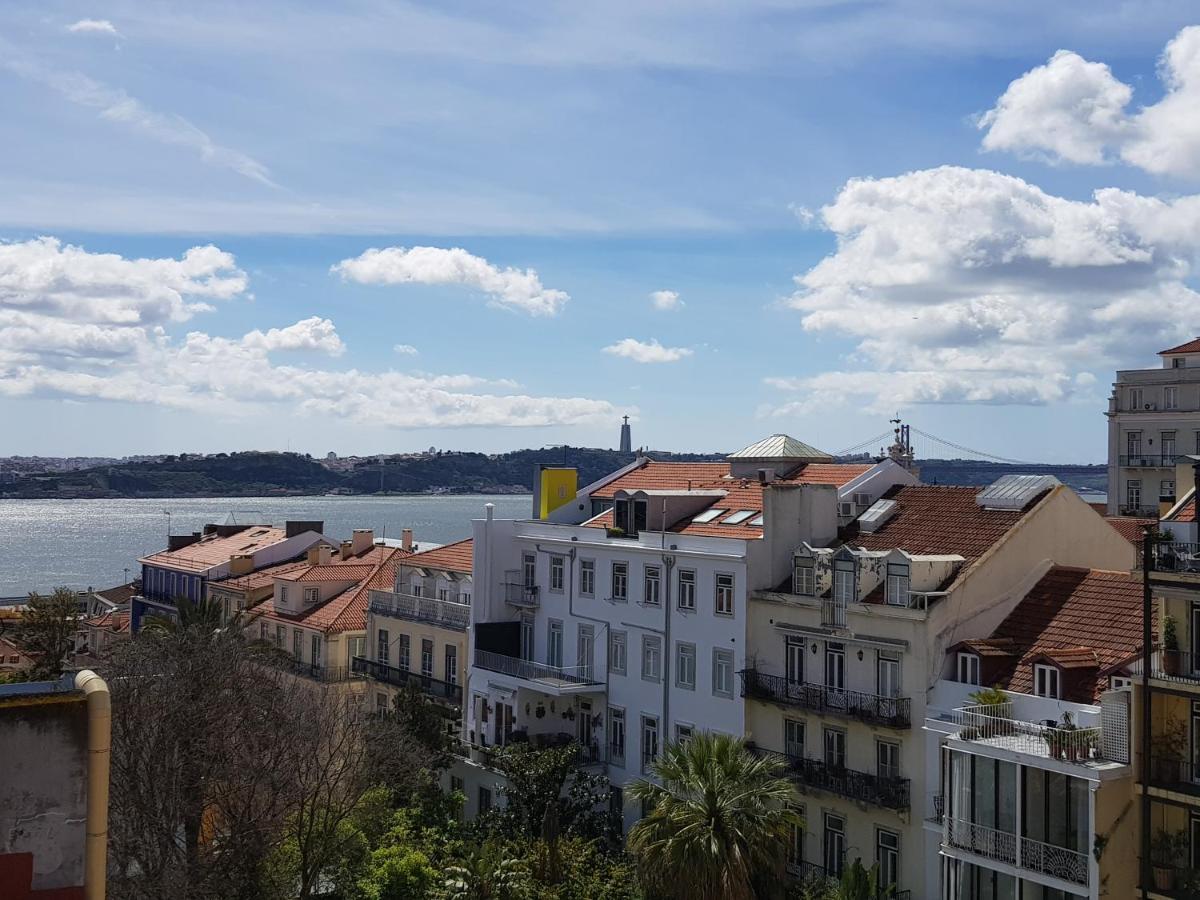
point(1167, 447)
point(897, 584)
point(835, 748)
point(653, 586)
point(443, 594)
point(554, 643)
point(843, 581)
point(262, 631)
point(1136, 398)
point(685, 666)
point(316, 651)
point(456, 783)
point(526, 636)
point(485, 800)
point(804, 579)
point(1133, 443)
point(708, 515)
point(723, 673)
point(1171, 398)
point(1166, 489)
point(739, 517)
point(310, 595)
point(651, 658)
point(616, 735)
point(793, 655)
point(280, 636)
point(887, 759)
point(835, 665)
point(968, 668)
point(687, 589)
point(683, 732)
point(383, 647)
point(1198, 442)
point(529, 569)
point(452, 663)
point(587, 577)
point(618, 643)
point(297, 637)
point(1178, 362)
point(833, 845)
point(381, 701)
point(1045, 681)
point(282, 593)
point(1133, 493)
point(403, 649)
point(620, 581)
point(795, 848)
point(887, 676)
point(357, 648)
point(887, 857)
point(557, 567)
point(649, 741)
point(793, 738)
point(724, 595)
point(586, 646)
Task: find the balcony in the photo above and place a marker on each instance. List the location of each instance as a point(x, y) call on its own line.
point(1176, 666)
point(833, 613)
point(538, 676)
point(1174, 773)
point(1175, 556)
point(447, 613)
point(522, 595)
point(817, 880)
point(885, 791)
point(995, 845)
point(382, 672)
point(318, 672)
point(994, 726)
point(1148, 460)
point(893, 712)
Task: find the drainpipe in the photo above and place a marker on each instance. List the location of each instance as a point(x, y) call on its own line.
point(99, 713)
point(1147, 711)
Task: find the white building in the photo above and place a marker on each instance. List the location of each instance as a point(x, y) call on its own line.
point(1153, 418)
point(620, 622)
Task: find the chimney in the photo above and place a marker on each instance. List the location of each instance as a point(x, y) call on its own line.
point(406, 539)
point(361, 540)
point(345, 550)
point(320, 555)
point(241, 564)
point(293, 527)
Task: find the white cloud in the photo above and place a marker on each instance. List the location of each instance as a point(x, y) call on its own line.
point(509, 288)
point(86, 326)
point(647, 351)
point(968, 286)
point(1073, 110)
point(93, 26)
point(313, 333)
point(405, 350)
point(666, 300)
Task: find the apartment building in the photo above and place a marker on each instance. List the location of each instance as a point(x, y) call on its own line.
point(844, 648)
point(1153, 417)
point(417, 629)
point(1036, 792)
point(619, 621)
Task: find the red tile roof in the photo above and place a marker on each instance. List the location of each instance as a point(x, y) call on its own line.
point(1186, 512)
point(1080, 619)
point(456, 557)
point(120, 594)
point(662, 476)
point(334, 571)
point(213, 550)
point(1130, 527)
point(1189, 347)
point(116, 621)
point(939, 519)
point(262, 577)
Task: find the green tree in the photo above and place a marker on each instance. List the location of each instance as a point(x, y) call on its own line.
point(47, 631)
point(719, 822)
point(398, 873)
point(203, 617)
point(488, 871)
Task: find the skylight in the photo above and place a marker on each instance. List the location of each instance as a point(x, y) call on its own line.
point(739, 517)
point(708, 515)
point(757, 520)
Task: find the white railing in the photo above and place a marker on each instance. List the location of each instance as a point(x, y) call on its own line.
point(533, 671)
point(993, 724)
point(1015, 850)
point(421, 609)
point(981, 840)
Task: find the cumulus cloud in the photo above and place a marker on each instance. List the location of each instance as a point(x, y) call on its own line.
point(509, 288)
point(968, 286)
point(668, 301)
point(647, 351)
point(1073, 110)
point(93, 26)
point(405, 350)
point(88, 326)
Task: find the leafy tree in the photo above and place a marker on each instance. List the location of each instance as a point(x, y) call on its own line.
point(860, 883)
point(397, 873)
point(203, 617)
point(47, 631)
point(488, 871)
point(719, 822)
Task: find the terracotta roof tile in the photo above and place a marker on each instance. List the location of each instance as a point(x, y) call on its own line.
point(334, 571)
point(116, 621)
point(120, 594)
point(1130, 527)
point(456, 557)
point(1189, 347)
point(213, 550)
point(262, 577)
point(1187, 511)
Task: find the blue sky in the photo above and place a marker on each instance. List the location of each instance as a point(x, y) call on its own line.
point(846, 235)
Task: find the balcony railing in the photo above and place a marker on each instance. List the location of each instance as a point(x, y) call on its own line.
point(894, 712)
point(936, 808)
point(886, 791)
point(520, 594)
point(1175, 773)
point(1014, 850)
point(532, 671)
point(1148, 460)
point(1175, 665)
point(995, 726)
point(1175, 556)
point(813, 877)
point(440, 690)
point(318, 672)
point(447, 613)
point(833, 613)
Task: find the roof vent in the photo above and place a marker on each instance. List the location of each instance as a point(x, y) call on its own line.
point(878, 513)
point(1014, 491)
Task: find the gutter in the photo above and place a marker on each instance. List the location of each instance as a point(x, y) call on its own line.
point(99, 713)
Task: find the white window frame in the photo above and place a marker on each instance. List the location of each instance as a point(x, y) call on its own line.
point(651, 657)
point(620, 578)
point(383, 646)
point(558, 569)
point(618, 652)
point(587, 577)
point(616, 735)
point(1170, 398)
point(804, 579)
point(969, 668)
point(844, 580)
point(651, 741)
point(686, 599)
point(723, 601)
point(554, 643)
point(722, 662)
point(311, 595)
point(685, 665)
point(684, 732)
point(450, 654)
point(652, 585)
point(899, 580)
point(1047, 681)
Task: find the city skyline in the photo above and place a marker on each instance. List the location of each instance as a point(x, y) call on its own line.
point(488, 233)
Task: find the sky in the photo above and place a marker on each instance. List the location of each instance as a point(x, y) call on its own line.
point(374, 227)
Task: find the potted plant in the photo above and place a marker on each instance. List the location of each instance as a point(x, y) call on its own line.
point(1170, 639)
point(540, 712)
point(995, 712)
point(1165, 852)
point(1068, 740)
point(615, 532)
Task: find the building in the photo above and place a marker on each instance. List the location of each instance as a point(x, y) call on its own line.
point(190, 562)
point(237, 594)
point(12, 657)
point(620, 620)
point(1036, 795)
point(317, 612)
point(54, 741)
point(1153, 417)
point(417, 629)
point(99, 634)
point(846, 643)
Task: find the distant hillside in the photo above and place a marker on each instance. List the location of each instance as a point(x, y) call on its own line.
point(266, 474)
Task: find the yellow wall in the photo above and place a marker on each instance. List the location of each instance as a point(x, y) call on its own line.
point(1117, 820)
point(558, 486)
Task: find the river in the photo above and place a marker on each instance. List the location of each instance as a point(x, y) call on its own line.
point(96, 543)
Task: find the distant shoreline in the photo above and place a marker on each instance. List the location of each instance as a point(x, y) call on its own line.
point(430, 495)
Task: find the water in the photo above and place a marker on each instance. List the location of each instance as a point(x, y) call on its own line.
point(91, 543)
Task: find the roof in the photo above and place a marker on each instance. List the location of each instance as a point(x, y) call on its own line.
point(1130, 527)
point(780, 446)
point(1185, 510)
point(121, 594)
point(116, 621)
point(938, 519)
point(1078, 619)
point(989, 647)
point(261, 578)
point(333, 571)
point(212, 550)
point(1189, 347)
point(457, 557)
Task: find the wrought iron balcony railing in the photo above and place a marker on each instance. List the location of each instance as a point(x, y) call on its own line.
point(446, 613)
point(520, 594)
point(532, 671)
point(1175, 773)
point(440, 690)
point(1147, 460)
point(833, 613)
point(1175, 665)
point(1011, 849)
point(1175, 556)
point(318, 672)
point(886, 791)
point(894, 712)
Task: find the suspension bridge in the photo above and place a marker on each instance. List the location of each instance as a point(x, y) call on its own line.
point(929, 446)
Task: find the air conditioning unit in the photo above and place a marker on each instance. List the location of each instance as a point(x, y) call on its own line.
point(1150, 406)
point(861, 500)
point(845, 509)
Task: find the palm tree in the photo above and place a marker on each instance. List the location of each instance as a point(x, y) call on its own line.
point(203, 616)
point(719, 823)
